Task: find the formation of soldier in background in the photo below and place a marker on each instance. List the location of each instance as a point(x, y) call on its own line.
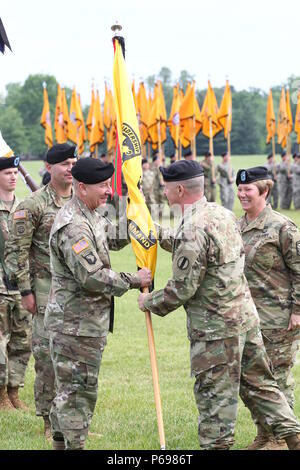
point(286, 177)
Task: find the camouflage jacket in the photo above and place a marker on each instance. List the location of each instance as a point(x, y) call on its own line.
point(27, 250)
point(271, 168)
point(158, 184)
point(296, 176)
point(282, 171)
point(208, 274)
point(272, 268)
point(148, 183)
point(83, 282)
point(226, 173)
point(4, 222)
point(207, 167)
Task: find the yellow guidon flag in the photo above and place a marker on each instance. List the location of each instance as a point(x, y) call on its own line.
point(140, 224)
point(45, 120)
point(270, 119)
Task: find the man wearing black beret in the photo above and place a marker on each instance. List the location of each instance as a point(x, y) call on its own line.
point(15, 322)
point(223, 327)
point(28, 260)
point(80, 310)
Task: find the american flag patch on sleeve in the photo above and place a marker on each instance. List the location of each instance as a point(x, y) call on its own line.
point(80, 246)
point(20, 215)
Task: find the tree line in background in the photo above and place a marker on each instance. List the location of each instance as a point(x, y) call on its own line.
point(20, 112)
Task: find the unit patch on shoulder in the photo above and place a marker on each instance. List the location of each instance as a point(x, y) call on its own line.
point(183, 263)
point(20, 214)
point(298, 248)
point(81, 245)
point(90, 258)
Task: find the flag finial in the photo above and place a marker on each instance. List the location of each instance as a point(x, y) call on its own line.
point(44, 85)
point(116, 28)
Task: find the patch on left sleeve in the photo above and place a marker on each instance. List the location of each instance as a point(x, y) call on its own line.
point(20, 215)
point(183, 263)
point(90, 258)
point(80, 246)
point(298, 248)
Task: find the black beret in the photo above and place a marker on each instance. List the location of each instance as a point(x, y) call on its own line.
point(92, 171)
point(207, 154)
point(224, 154)
point(283, 154)
point(144, 161)
point(188, 154)
point(270, 156)
point(61, 152)
point(154, 158)
point(182, 170)
point(252, 174)
point(9, 162)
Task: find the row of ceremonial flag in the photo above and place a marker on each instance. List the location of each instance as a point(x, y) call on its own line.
point(284, 120)
point(186, 118)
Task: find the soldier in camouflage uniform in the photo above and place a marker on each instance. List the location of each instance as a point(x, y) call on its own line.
point(273, 196)
point(225, 181)
point(285, 184)
point(28, 260)
point(158, 186)
point(209, 181)
point(148, 184)
point(296, 181)
point(15, 322)
point(227, 351)
point(272, 268)
point(80, 305)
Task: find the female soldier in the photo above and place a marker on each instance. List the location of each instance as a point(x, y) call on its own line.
point(272, 268)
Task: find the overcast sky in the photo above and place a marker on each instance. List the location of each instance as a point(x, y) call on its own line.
point(256, 43)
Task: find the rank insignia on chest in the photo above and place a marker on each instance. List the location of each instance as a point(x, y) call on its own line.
point(20, 215)
point(81, 245)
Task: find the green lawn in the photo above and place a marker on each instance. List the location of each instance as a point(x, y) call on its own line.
point(125, 413)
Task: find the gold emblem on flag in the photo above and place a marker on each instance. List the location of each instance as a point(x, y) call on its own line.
point(131, 145)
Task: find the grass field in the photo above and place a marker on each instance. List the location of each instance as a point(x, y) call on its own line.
point(125, 412)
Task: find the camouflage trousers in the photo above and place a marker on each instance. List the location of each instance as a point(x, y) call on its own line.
point(44, 385)
point(15, 340)
point(296, 198)
point(273, 197)
point(285, 195)
point(76, 362)
point(224, 368)
point(227, 196)
point(210, 192)
point(282, 347)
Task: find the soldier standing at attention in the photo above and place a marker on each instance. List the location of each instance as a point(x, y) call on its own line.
point(209, 182)
point(227, 350)
point(158, 186)
point(285, 185)
point(272, 268)
point(148, 184)
point(80, 309)
point(15, 322)
point(28, 260)
point(225, 181)
point(273, 196)
point(296, 181)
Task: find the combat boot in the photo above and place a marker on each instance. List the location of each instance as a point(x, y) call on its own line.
point(261, 439)
point(13, 394)
point(5, 403)
point(58, 444)
point(293, 442)
point(47, 428)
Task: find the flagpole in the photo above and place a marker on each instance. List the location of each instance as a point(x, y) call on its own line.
point(155, 378)
point(116, 28)
point(228, 143)
point(194, 137)
point(274, 154)
point(211, 149)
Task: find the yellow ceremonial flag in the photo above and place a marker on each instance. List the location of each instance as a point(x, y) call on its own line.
point(97, 130)
point(225, 111)
point(45, 120)
point(190, 116)
point(134, 97)
point(297, 119)
point(282, 122)
point(289, 113)
point(174, 119)
point(140, 225)
point(211, 125)
point(270, 119)
point(157, 124)
point(82, 134)
point(65, 113)
point(76, 122)
point(89, 121)
point(59, 118)
point(143, 112)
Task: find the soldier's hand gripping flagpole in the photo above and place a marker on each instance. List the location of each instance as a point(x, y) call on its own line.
point(140, 225)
